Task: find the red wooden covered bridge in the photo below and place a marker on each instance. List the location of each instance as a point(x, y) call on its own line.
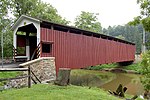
point(71, 47)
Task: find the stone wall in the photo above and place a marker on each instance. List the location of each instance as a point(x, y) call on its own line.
point(43, 68)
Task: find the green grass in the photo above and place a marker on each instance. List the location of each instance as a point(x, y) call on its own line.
point(8, 75)
point(81, 72)
point(103, 66)
point(53, 92)
point(135, 67)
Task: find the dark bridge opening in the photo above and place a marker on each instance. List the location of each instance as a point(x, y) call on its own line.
point(26, 41)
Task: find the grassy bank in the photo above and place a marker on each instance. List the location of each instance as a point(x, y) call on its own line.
point(103, 66)
point(133, 67)
point(53, 92)
point(8, 75)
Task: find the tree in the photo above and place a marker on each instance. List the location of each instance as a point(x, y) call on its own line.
point(105, 31)
point(144, 18)
point(145, 7)
point(4, 6)
point(129, 33)
point(120, 37)
point(4, 21)
point(146, 70)
point(23, 7)
point(88, 21)
point(37, 9)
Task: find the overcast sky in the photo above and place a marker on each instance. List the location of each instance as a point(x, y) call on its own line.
point(111, 12)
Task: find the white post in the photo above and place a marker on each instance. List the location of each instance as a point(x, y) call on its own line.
point(2, 47)
point(27, 46)
point(15, 38)
point(143, 44)
point(38, 32)
point(28, 52)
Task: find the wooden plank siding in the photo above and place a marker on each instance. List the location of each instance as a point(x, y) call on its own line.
point(79, 51)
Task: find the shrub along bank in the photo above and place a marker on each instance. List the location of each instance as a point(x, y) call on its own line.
point(135, 67)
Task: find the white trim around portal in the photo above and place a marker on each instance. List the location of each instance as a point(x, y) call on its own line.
point(23, 21)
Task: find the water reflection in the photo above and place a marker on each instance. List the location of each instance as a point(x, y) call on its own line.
point(131, 81)
point(107, 80)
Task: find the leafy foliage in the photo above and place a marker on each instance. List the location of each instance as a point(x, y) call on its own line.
point(4, 6)
point(146, 70)
point(137, 20)
point(8, 75)
point(88, 21)
point(144, 18)
point(4, 21)
point(23, 7)
point(103, 66)
point(146, 23)
point(120, 37)
point(38, 9)
point(129, 33)
point(134, 67)
point(145, 7)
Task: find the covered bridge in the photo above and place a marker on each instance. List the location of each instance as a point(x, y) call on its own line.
point(71, 47)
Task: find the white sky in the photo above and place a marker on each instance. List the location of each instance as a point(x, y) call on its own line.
point(111, 12)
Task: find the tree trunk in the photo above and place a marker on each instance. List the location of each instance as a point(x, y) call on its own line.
point(63, 77)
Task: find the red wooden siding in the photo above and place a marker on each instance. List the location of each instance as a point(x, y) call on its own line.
point(21, 41)
point(79, 51)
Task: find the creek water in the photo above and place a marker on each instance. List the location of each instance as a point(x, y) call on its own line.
point(107, 80)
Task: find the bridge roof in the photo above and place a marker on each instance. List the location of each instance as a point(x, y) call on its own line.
point(85, 31)
point(46, 23)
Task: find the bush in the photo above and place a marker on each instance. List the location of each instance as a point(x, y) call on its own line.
point(134, 67)
point(103, 66)
point(146, 70)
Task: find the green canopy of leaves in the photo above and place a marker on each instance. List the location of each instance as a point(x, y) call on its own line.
point(146, 70)
point(127, 32)
point(144, 18)
point(37, 9)
point(88, 21)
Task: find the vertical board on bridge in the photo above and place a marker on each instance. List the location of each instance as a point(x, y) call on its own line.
point(78, 51)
